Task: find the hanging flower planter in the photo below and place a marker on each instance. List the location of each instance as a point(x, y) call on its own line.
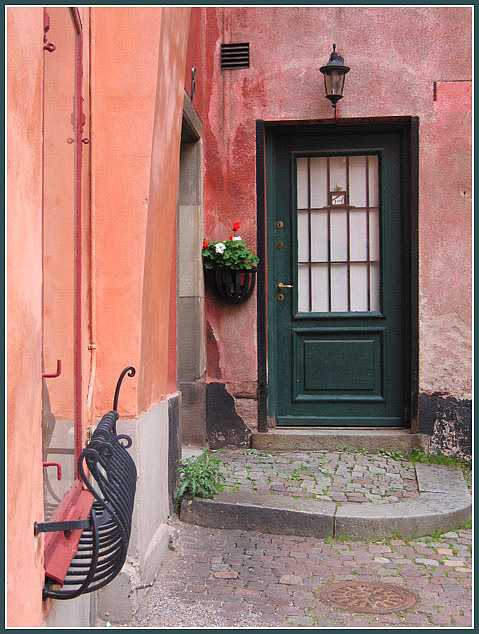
point(232, 286)
point(230, 268)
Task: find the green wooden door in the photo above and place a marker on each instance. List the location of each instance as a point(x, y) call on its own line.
point(336, 353)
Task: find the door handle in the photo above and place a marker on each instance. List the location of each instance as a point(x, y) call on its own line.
point(280, 286)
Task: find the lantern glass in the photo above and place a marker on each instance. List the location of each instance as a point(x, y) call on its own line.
point(337, 82)
point(334, 82)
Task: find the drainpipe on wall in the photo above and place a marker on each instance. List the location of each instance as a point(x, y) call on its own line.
point(92, 344)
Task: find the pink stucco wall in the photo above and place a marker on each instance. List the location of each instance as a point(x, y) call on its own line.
point(24, 328)
point(395, 55)
point(195, 57)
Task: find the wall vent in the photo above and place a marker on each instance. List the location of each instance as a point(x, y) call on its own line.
point(234, 56)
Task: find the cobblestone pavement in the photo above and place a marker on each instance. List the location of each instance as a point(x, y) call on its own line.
point(241, 578)
point(337, 476)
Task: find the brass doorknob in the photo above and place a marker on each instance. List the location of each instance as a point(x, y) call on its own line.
point(280, 286)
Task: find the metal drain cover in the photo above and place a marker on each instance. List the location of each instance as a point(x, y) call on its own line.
point(367, 597)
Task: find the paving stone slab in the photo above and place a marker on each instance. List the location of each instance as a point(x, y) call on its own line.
point(435, 478)
point(270, 514)
point(430, 513)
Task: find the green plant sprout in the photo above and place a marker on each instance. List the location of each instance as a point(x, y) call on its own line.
point(199, 476)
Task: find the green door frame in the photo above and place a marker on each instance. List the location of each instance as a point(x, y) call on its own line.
point(408, 128)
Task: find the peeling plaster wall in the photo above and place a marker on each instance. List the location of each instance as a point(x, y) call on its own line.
point(419, 74)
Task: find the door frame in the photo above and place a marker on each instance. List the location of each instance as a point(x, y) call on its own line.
point(408, 128)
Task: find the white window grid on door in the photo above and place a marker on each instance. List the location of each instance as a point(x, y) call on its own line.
point(338, 233)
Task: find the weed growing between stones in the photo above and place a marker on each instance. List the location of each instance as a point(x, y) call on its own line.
point(257, 452)
point(395, 455)
point(199, 476)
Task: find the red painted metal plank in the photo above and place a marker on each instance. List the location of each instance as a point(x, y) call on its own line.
point(60, 548)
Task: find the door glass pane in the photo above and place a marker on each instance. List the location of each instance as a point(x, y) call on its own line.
point(359, 286)
point(373, 181)
point(58, 257)
point(358, 223)
point(374, 235)
point(319, 236)
point(303, 237)
point(337, 173)
point(303, 284)
point(302, 183)
point(339, 287)
point(357, 181)
point(374, 285)
point(319, 182)
point(338, 234)
point(320, 285)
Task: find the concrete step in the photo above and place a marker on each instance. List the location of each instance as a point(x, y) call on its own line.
point(444, 504)
point(333, 439)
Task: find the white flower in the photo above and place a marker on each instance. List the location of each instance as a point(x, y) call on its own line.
point(237, 238)
point(220, 247)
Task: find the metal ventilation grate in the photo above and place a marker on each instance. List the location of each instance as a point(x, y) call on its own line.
point(234, 56)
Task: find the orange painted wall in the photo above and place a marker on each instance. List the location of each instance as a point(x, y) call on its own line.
point(137, 71)
point(24, 329)
point(123, 91)
point(137, 96)
point(162, 202)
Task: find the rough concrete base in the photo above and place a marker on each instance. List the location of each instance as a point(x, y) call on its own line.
point(444, 504)
point(73, 613)
point(118, 601)
point(331, 439)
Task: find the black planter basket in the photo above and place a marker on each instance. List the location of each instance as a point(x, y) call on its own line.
point(231, 286)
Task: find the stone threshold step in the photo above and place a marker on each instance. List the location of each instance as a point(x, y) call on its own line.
point(443, 504)
point(333, 439)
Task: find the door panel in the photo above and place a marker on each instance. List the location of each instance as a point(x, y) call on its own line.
point(335, 242)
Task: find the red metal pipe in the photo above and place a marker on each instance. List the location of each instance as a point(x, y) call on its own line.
point(79, 123)
point(56, 374)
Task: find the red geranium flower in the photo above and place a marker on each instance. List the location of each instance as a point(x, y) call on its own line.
point(205, 244)
point(236, 226)
point(231, 238)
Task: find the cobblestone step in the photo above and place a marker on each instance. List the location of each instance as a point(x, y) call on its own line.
point(443, 504)
point(332, 439)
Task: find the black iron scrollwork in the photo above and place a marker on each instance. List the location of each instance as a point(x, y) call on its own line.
point(106, 533)
point(131, 372)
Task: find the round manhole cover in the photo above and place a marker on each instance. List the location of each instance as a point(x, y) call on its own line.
point(366, 597)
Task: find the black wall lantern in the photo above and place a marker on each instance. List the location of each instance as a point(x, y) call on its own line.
point(334, 73)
